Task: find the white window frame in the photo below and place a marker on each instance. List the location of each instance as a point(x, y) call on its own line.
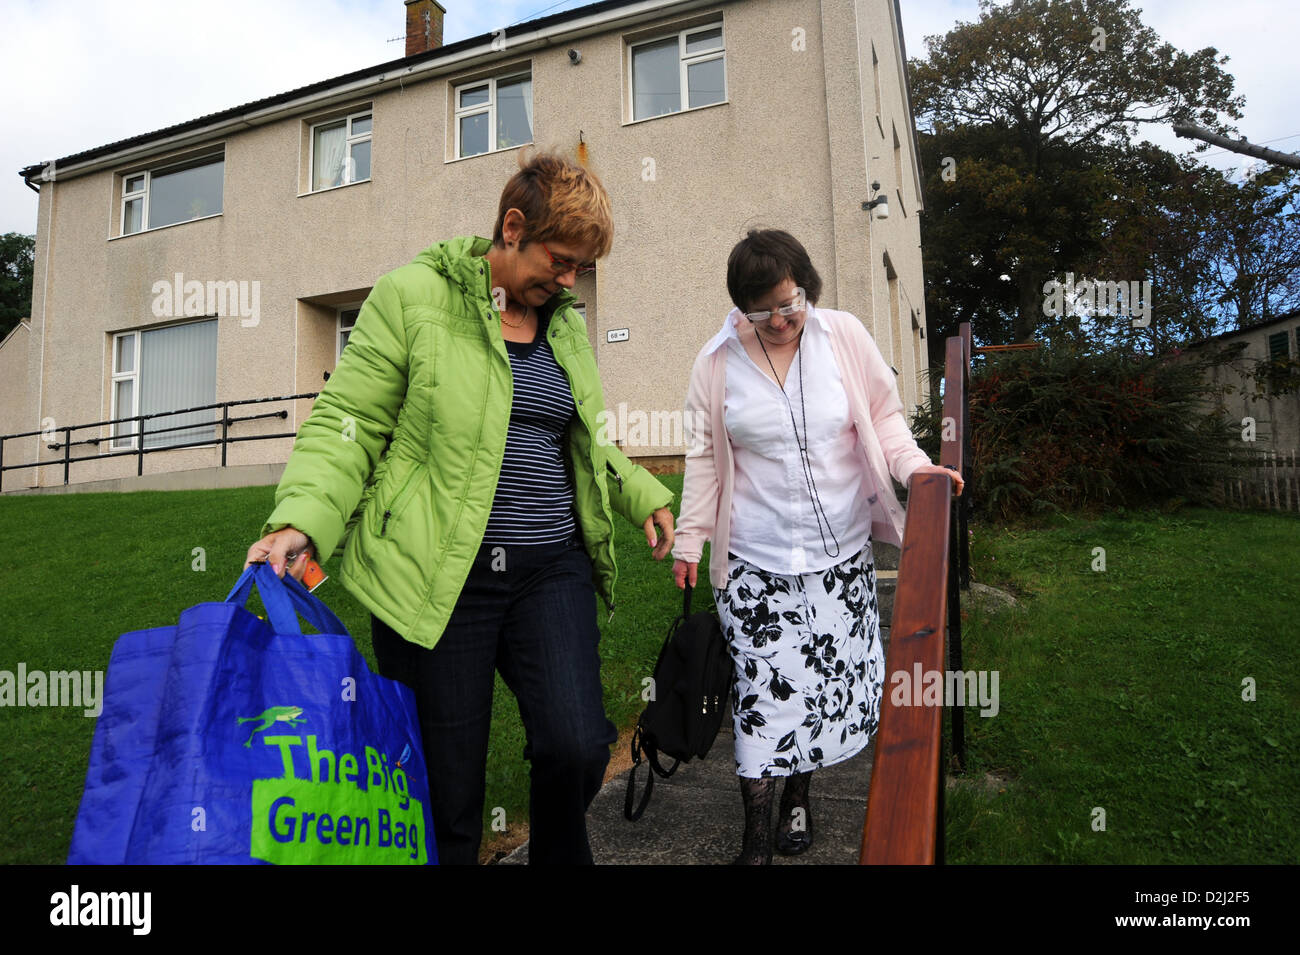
point(683, 62)
point(143, 193)
point(118, 442)
point(490, 108)
point(127, 197)
point(350, 139)
point(341, 328)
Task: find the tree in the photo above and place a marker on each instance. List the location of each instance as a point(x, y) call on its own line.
point(17, 255)
point(1255, 247)
point(1056, 83)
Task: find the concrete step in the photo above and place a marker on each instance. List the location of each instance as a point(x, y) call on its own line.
point(696, 817)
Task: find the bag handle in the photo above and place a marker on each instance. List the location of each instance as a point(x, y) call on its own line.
point(630, 814)
point(285, 598)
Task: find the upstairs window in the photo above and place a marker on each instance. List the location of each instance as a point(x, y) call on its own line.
point(170, 194)
point(493, 114)
point(683, 71)
point(340, 151)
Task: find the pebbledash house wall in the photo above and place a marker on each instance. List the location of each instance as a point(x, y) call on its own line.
point(816, 110)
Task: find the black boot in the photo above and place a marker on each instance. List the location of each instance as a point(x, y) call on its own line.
point(757, 795)
point(794, 830)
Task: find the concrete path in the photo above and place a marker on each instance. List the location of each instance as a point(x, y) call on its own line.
point(695, 817)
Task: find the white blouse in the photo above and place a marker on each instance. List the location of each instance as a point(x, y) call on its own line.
point(773, 523)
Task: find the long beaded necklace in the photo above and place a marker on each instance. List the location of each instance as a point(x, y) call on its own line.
point(819, 511)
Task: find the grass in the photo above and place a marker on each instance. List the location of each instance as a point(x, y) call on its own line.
point(1121, 692)
point(78, 570)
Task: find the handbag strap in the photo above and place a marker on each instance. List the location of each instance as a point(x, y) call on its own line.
point(652, 754)
point(285, 598)
point(630, 814)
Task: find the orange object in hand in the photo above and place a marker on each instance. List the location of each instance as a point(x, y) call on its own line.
point(313, 576)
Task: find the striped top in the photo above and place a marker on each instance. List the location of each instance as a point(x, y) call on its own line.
point(534, 498)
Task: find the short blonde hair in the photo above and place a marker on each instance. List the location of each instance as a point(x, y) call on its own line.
point(559, 200)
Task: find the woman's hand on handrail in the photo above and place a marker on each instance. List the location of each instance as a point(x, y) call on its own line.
point(940, 469)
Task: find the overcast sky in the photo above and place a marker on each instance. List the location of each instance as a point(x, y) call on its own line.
point(77, 76)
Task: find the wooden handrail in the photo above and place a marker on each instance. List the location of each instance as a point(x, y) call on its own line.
point(904, 817)
point(903, 804)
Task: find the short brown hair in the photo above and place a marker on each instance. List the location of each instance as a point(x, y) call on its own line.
point(559, 200)
point(766, 258)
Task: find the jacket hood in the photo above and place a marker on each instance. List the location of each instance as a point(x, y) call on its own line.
point(459, 260)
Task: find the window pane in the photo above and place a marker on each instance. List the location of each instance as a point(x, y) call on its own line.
point(131, 218)
point(343, 340)
point(477, 96)
point(704, 40)
point(656, 80)
point(705, 82)
point(360, 124)
point(178, 369)
point(360, 164)
point(185, 194)
point(474, 134)
point(348, 317)
point(134, 184)
point(327, 157)
point(125, 355)
point(123, 392)
point(514, 113)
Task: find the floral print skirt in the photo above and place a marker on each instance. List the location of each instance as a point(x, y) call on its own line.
point(809, 664)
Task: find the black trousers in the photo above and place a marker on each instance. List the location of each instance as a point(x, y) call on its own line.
point(529, 612)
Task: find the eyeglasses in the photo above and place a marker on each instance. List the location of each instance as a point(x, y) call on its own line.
point(560, 266)
point(785, 311)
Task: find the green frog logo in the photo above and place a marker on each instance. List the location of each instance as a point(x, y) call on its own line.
point(269, 717)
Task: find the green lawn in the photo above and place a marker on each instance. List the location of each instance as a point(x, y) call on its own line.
point(1119, 689)
point(78, 570)
point(1123, 690)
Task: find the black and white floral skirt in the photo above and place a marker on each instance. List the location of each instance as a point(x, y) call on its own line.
point(809, 664)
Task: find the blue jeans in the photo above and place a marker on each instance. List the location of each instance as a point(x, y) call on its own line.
point(534, 619)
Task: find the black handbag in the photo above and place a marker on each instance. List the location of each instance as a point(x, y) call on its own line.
point(692, 683)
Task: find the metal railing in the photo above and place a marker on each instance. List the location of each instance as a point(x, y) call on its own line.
point(139, 435)
point(904, 817)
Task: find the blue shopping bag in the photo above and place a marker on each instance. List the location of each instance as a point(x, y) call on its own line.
point(232, 739)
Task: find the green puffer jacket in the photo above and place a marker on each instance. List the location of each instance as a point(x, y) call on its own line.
point(396, 467)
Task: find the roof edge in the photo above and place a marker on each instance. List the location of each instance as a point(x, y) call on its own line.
point(545, 31)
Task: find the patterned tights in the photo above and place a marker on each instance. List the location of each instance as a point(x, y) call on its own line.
point(757, 795)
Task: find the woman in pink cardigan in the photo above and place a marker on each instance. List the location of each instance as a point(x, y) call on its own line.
point(794, 427)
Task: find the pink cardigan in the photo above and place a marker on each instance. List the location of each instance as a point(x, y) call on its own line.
point(885, 440)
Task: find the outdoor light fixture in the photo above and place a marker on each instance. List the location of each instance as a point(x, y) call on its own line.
point(881, 201)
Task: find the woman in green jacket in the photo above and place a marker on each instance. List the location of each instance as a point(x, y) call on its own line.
point(453, 461)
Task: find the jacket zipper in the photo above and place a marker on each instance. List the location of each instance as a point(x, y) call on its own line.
point(592, 454)
point(388, 511)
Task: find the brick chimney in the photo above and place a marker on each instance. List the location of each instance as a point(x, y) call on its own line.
point(423, 25)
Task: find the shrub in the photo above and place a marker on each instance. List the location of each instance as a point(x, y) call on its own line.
point(1060, 429)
